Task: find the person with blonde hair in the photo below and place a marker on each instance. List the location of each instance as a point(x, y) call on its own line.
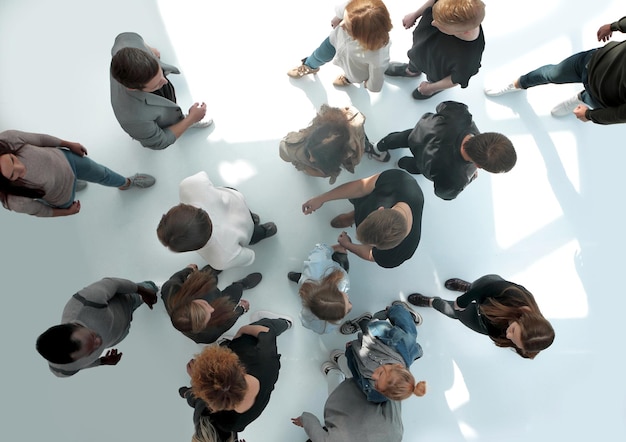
point(236, 380)
point(379, 359)
point(503, 310)
point(387, 212)
point(359, 44)
point(448, 45)
point(348, 415)
point(323, 288)
point(198, 309)
point(335, 139)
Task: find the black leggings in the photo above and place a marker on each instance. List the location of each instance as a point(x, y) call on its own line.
point(470, 317)
point(395, 140)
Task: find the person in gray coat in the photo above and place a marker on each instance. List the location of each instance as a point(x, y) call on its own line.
point(348, 415)
point(143, 100)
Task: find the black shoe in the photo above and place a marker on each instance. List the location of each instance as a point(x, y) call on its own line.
point(383, 157)
point(341, 259)
point(255, 218)
point(457, 285)
point(419, 300)
point(294, 276)
point(270, 229)
point(396, 69)
point(408, 164)
point(352, 326)
point(419, 96)
point(250, 281)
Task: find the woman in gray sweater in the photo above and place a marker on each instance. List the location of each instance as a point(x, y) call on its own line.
point(39, 174)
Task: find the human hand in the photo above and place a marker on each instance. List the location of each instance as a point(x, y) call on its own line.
point(339, 248)
point(112, 357)
point(297, 421)
point(74, 208)
point(197, 112)
point(335, 21)
point(580, 112)
point(344, 239)
point(425, 88)
point(311, 205)
point(193, 267)
point(155, 51)
point(190, 366)
point(76, 148)
point(147, 295)
point(604, 33)
point(409, 20)
point(245, 304)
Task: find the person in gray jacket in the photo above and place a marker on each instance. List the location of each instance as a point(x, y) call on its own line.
point(95, 318)
point(348, 415)
point(143, 100)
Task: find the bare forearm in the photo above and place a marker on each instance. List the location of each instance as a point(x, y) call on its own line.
point(361, 250)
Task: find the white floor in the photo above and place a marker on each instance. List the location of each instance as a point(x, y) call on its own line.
point(553, 224)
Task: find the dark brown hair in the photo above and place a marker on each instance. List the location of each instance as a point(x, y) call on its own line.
point(18, 187)
point(323, 297)
point(185, 228)
point(133, 67)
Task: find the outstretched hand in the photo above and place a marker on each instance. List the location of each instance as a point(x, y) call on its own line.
point(344, 239)
point(112, 357)
point(581, 112)
point(148, 296)
point(197, 112)
point(311, 205)
point(604, 33)
point(409, 20)
point(297, 421)
point(76, 148)
point(335, 21)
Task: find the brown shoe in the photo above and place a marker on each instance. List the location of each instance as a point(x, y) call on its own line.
point(302, 70)
point(457, 285)
point(343, 220)
point(341, 81)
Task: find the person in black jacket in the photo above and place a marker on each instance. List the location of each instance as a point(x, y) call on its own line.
point(503, 310)
point(602, 72)
point(448, 149)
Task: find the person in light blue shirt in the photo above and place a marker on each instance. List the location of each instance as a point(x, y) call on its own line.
point(323, 287)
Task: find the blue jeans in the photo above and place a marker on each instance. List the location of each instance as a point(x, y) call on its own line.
point(571, 70)
point(87, 170)
point(321, 55)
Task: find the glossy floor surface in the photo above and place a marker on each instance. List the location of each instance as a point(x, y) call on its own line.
point(553, 224)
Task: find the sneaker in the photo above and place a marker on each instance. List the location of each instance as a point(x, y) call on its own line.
point(457, 285)
point(375, 154)
point(250, 281)
point(327, 366)
point(81, 185)
point(294, 276)
point(416, 94)
point(567, 107)
point(341, 81)
point(408, 164)
point(352, 326)
point(205, 122)
point(501, 90)
point(419, 300)
point(342, 221)
point(141, 180)
point(417, 318)
point(264, 314)
point(336, 354)
point(396, 69)
point(302, 70)
point(270, 229)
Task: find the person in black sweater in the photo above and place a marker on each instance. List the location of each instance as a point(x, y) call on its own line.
point(448, 149)
point(602, 72)
point(387, 212)
point(503, 310)
point(236, 379)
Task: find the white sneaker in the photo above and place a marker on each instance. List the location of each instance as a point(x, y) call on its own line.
point(206, 122)
point(567, 107)
point(501, 90)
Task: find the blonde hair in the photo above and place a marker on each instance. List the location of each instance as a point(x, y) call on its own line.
point(370, 23)
point(324, 298)
point(401, 384)
point(383, 229)
point(466, 13)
